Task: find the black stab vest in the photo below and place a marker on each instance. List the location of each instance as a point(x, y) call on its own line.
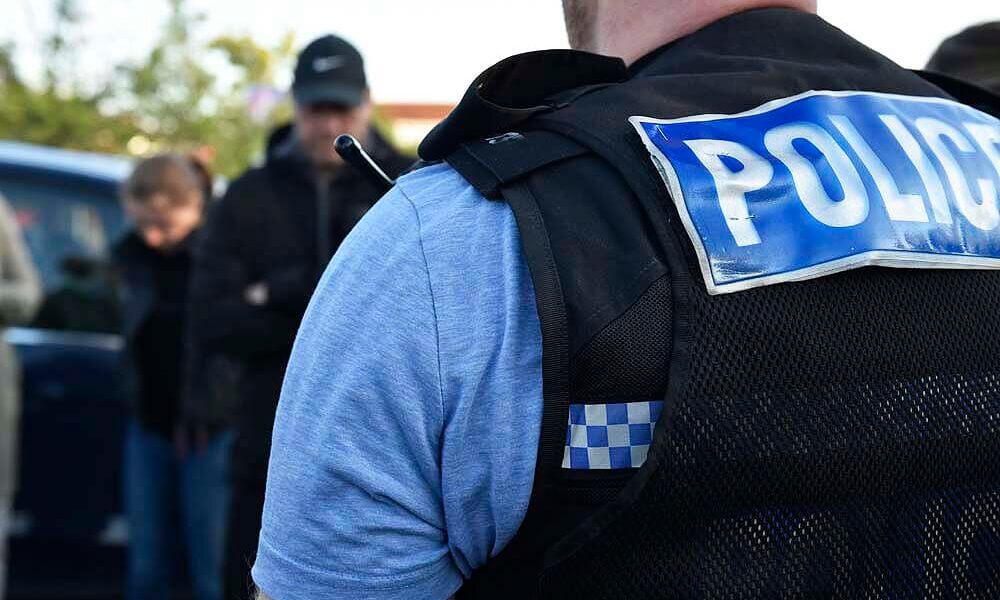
point(837, 437)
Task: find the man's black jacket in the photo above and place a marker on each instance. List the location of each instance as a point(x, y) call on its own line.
point(267, 229)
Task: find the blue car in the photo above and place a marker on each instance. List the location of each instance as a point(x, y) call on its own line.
point(68, 532)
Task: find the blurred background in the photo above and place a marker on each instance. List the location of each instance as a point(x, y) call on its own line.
point(136, 77)
point(88, 87)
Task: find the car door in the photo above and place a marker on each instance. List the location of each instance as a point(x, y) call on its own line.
point(68, 530)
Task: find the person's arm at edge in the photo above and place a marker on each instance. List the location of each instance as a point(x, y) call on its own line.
point(21, 294)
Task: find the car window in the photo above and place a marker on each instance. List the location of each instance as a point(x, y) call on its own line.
point(69, 232)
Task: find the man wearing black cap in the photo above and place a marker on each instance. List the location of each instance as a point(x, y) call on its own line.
point(266, 244)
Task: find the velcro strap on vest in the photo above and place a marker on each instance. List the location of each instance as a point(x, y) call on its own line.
point(491, 164)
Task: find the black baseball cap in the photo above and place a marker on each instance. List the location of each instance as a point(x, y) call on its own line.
point(330, 70)
point(972, 55)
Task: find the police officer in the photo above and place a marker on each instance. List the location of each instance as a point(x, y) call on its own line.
point(708, 313)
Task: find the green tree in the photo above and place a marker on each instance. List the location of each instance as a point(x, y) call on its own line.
point(179, 103)
point(258, 67)
point(167, 100)
point(60, 113)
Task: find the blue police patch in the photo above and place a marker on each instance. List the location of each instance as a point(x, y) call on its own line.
point(823, 182)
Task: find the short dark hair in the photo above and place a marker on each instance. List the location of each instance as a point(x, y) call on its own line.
point(173, 175)
point(972, 55)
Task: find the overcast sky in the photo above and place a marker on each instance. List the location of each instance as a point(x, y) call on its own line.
point(429, 50)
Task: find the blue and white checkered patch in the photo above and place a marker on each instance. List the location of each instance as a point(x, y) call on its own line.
point(610, 436)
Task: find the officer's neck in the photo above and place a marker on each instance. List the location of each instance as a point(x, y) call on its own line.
point(649, 24)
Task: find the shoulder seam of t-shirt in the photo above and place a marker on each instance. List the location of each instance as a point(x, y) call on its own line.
point(440, 174)
point(430, 289)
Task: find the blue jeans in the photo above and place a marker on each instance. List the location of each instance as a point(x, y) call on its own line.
point(174, 503)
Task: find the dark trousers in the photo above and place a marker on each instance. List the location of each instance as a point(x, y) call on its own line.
point(175, 503)
point(244, 528)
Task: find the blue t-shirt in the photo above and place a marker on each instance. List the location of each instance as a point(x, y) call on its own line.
point(405, 440)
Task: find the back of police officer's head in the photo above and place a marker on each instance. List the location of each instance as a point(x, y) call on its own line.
point(633, 28)
point(972, 55)
point(331, 97)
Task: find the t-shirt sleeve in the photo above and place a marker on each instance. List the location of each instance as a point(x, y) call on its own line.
point(353, 506)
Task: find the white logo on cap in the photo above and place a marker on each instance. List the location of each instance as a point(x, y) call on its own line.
point(327, 63)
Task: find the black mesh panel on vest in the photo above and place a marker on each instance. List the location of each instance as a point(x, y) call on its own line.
point(630, 358)
point(775, 475)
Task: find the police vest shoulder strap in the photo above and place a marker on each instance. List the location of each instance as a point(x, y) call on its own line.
point(965, 92)
point(499, 168)
point(516, 90)
point(491, 164)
